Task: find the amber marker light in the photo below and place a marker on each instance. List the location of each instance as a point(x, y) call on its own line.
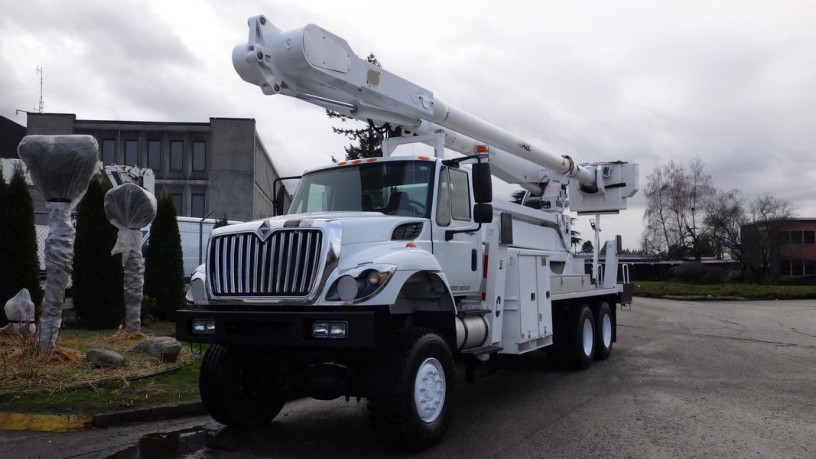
point(341, 163)
point(481, 149)
point(372, 160)
point(411, 245)
point(356, 161)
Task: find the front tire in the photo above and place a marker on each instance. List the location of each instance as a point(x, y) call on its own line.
point(411, 390)
point(237, 388)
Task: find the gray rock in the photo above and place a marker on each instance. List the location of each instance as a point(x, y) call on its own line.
point(104, 358)
point(165, 347)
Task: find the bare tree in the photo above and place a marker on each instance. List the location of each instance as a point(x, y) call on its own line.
point(766, 215)
point(725, 215)
point(676, 197)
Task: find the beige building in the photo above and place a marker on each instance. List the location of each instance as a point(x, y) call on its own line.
point(219, 168)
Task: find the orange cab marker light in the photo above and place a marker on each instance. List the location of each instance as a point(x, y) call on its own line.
point(341, 163)
point(355, 161)
point(411, 245)
point(424, 157)
point(371, 160)
point(481, 148)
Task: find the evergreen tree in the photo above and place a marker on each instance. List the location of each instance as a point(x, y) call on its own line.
point(367, 141)
point(98, 280)
point(4, 236)
point(164, 265)
point(19, 264)
point(221, 222)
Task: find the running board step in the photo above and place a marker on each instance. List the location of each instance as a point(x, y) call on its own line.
point(482, 350)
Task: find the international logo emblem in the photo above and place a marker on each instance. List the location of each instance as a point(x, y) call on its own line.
point(264, 230)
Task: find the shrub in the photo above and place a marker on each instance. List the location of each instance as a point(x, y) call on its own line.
point(148, 308)
point(19, 264)
point(696, 273)
point(164, 265)
point(98, 279)
point(221, 222)
point(799, 280)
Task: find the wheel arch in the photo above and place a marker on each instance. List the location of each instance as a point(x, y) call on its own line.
point(425, 301)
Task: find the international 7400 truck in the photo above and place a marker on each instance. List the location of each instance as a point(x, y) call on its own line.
point(386, 271)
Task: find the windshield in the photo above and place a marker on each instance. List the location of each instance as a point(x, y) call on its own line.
point(393, 188)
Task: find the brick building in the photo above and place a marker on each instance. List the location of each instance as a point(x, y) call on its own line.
point(788, 247)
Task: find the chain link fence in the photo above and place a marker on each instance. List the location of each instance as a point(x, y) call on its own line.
point(194, 234)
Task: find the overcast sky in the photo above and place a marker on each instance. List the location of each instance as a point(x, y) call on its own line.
point(732, 82)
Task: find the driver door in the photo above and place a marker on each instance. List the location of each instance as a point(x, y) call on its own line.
point(459, 257)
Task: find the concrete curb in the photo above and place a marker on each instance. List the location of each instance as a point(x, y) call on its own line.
point(71, 423)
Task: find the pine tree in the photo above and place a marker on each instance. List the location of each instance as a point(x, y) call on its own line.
point(164, 265)
point(98, 280)
point(19, 264)
point(4, 247)
point(367, 140)
point(221, 222)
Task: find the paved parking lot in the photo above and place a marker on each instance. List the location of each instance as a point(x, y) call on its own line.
point(685, 379)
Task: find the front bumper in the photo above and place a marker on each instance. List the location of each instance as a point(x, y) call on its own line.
point(280, 327)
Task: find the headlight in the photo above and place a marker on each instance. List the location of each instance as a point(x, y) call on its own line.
point(361, 283)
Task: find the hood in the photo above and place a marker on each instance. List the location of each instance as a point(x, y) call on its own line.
point(358, 227)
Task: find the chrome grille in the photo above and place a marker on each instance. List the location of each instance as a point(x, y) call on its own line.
point(286, 264)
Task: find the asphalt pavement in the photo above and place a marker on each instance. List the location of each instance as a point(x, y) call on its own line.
point(685, 379)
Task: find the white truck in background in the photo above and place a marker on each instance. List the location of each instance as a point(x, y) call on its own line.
point(384, 271)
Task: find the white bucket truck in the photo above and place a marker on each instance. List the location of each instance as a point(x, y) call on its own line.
point(384, 271)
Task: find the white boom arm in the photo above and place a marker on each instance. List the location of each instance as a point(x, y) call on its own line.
point(313, 64)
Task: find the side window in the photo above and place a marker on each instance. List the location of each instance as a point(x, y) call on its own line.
point(443, 207)
point(454, 197)
point(460, 195)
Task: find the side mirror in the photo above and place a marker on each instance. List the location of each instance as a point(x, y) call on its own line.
point(482, 183)
point(482, 213)
point(279, 203)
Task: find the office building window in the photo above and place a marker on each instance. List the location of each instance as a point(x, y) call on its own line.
point(784, 267)
point(795, 237)
point(109, 151)
point(177, 202)
point(197, 205)
point(176, 152)
point(810, 237)
point(199, 156)
point(154, 155)
point(131, 152)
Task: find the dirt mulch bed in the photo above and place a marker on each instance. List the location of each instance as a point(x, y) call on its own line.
point(24, 369)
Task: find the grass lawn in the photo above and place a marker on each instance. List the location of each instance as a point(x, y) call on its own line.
point(61, 381)
point(724, 291)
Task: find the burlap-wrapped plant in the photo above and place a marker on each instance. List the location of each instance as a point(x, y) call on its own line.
point(129, 207)
point(61, 166)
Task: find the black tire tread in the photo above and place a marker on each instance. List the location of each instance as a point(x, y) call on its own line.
point(218, 385)
point(601, 352)
point(389, 409)
point(209, 382)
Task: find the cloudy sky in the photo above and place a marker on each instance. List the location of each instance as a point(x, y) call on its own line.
point(732, 82)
